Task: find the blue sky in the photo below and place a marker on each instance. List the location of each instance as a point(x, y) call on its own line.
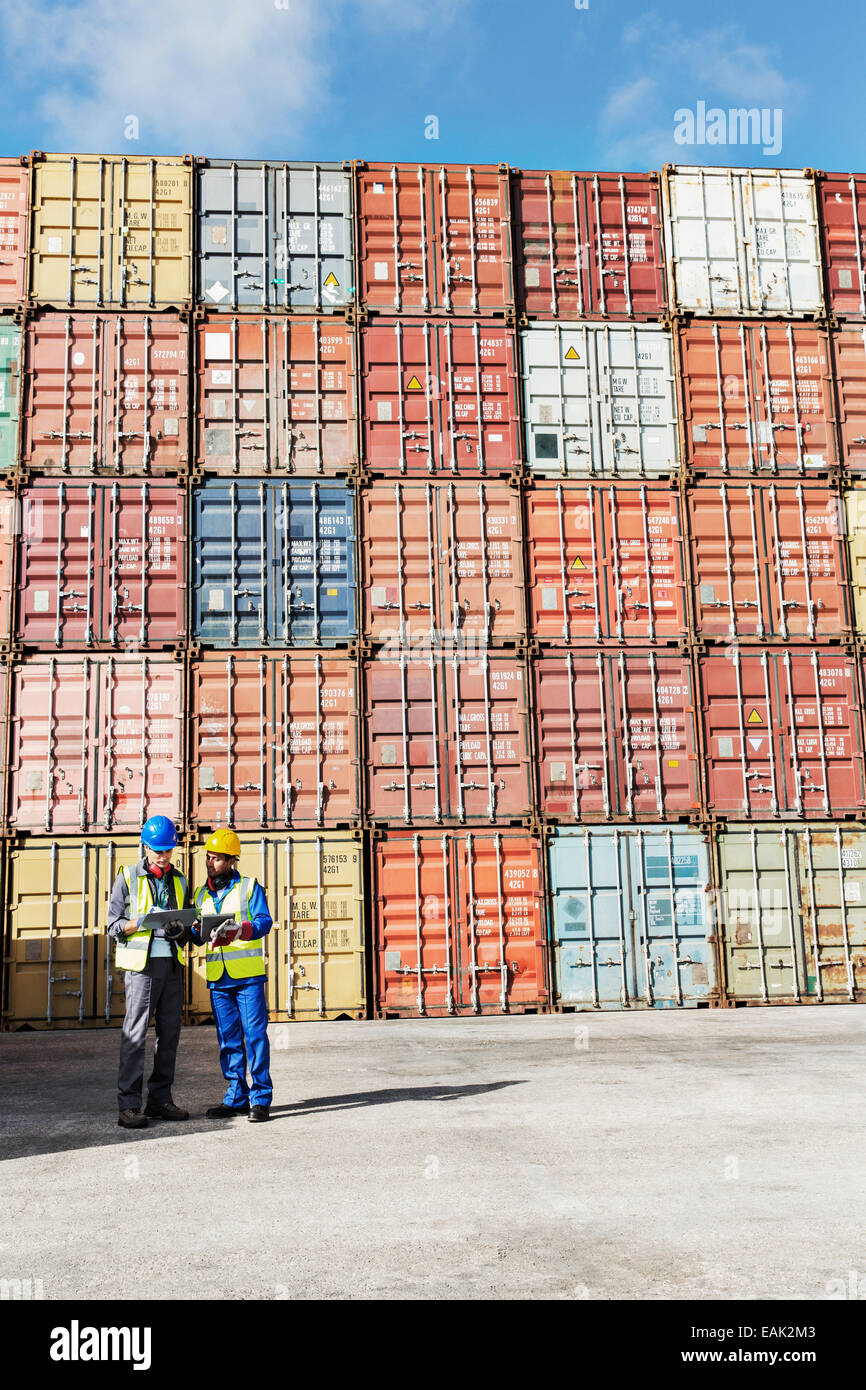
point(534, 83)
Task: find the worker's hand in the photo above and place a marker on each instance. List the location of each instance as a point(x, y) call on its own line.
point(132, 926)
point(246, 931)
point(224, 936)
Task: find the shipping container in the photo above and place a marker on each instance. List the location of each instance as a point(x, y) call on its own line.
point(842, 208)
point(9, 514)
point(793, 911)
point(447, 739)
point(855, 511)
point(742, 241)
point(316, 947)
point(14, 200)
point(605, 561)
point(60, 969)
point(615, 735)
point(111, 231)
point(442, 564)
point(631, 920)
point(10, 392)
point(440, 398)
point(756, 397)
point(588, 245)
point(101, 564)
point(275, 394)
point(274, 740)
point(768, 562)
point(458, 924)
point(781, 733)
point(849, 377)
point(273, 562)
point(96, 743)
point(274, 236)
point(106, 391)
point(435, 239)
point(599, 399)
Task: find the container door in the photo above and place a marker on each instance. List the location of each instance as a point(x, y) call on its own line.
point(819, 717)
point(10, 511)
point(487, 748)
point(51, 767)
point(62, 550)
point(562, 393)
point(233, 734)
point(565, 562)
point(704, 235)
point(843, 216)
point(71, 218)
point(319, 972)
point(573, 735)
point(653, 757)
point(395, 234)
point(644, 561)
point(144, 565)
point(855, 510)
point(481, 576)
point(230, 573)
point(415, 933)
point(401, 405)
point(503, 952)
point(641, 424)
point(315, 603)
point(138, 770)
point(764, 956)
point(729, 560)
point(316, 753)
point(674, 963)
point(830, 869)
point(10, 384)
point(234, 267)
point(406, 739)
point(808, 587)
point(14, 189)
point(781, 243)
point(742, 736)
point(592, 918)
point(145, 360)
point(849, 367)
point(314, 214)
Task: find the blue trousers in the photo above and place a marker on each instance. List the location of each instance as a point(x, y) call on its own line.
point(241, 1018)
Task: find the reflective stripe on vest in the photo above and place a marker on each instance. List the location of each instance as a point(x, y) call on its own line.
point(241, 960)
point(133, 952)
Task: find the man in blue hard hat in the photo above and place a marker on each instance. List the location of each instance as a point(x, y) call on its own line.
point(153, 962)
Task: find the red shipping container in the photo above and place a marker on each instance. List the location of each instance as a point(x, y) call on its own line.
point(9, 513)
point(97, 743)
point(768, 561)
point(471, 593)
point(849, 373)
point(756, 397)
point(781, 733)
point(14, 202)
point(447, 739)
point(440, 398)
point(101, 564)
point(842, 215)
point(275, 394)
point(588, 245)
point(458, 923)
point(435, 239)
point(615, 736)
point(274, 740)
point(105, 391)
point(605, 561)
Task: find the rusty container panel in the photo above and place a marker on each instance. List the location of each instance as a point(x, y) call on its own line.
point(447, 739)
point(14, 201)
point(768, 562)
point(588, 245)
point(435, 239)
point(101, 564)
point(275, 395)
point(9, 514)
point(275, 740)
point(472, 595)
point(458, 923)
point(96, 743)
point(605, 561)
point(781, 733)
point(105, 392)
point(615, 736)
point(842, 214)
point(756, 397)
point(849, 373)
point(439, 398)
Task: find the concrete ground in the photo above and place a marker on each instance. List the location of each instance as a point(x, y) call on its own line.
point(665, 1155)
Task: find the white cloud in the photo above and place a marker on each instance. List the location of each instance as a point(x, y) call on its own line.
point(628, 101)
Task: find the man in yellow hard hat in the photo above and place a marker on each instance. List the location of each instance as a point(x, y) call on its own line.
point(236, 974)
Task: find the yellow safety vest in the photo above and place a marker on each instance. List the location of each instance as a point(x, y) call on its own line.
point(241, 960)
point(133, 952)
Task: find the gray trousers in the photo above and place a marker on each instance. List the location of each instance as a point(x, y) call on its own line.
point(158, 989)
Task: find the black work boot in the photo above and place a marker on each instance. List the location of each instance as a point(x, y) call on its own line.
point(225, 1112)
point(165, 1110)
point(132, 1119)
point(259, 1112)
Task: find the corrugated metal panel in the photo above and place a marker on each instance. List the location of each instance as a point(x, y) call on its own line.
point(316, 947)
point(605, 561)
point(842, 206)
point(106, 391)
point(9, 512)
point(440, 398)
point(274, 236)
point(472, 593)
point(599, 399)
point(855, 508)
point(588, 245)
point(849, 372)
point(458, 923)
point(275, 740)
point(10, 392)
point(14, 200)
point(276, 394)
point(111, 230)
point(742, 241)
point(781, 733)
point(435, 238)
point(615, 735)
point(768, 562)
point(631, 918)
point(273, 562)
point(101, 564)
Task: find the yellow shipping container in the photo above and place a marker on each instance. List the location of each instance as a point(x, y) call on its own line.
point(855, 510)
point(316, 964)
point(111, 231)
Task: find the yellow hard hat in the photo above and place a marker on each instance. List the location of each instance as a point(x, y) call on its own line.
point(224, 842)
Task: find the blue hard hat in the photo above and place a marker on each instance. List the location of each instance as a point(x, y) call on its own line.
point(159, 833)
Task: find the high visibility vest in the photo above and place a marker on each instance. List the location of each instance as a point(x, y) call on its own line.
point(134, 951)
point(241, 960)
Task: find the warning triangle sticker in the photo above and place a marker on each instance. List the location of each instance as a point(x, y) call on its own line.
point(577, 564)
point(572, 355)
point(333, 281)
point(757, 744)
point(755, 718)
point(414, 385)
